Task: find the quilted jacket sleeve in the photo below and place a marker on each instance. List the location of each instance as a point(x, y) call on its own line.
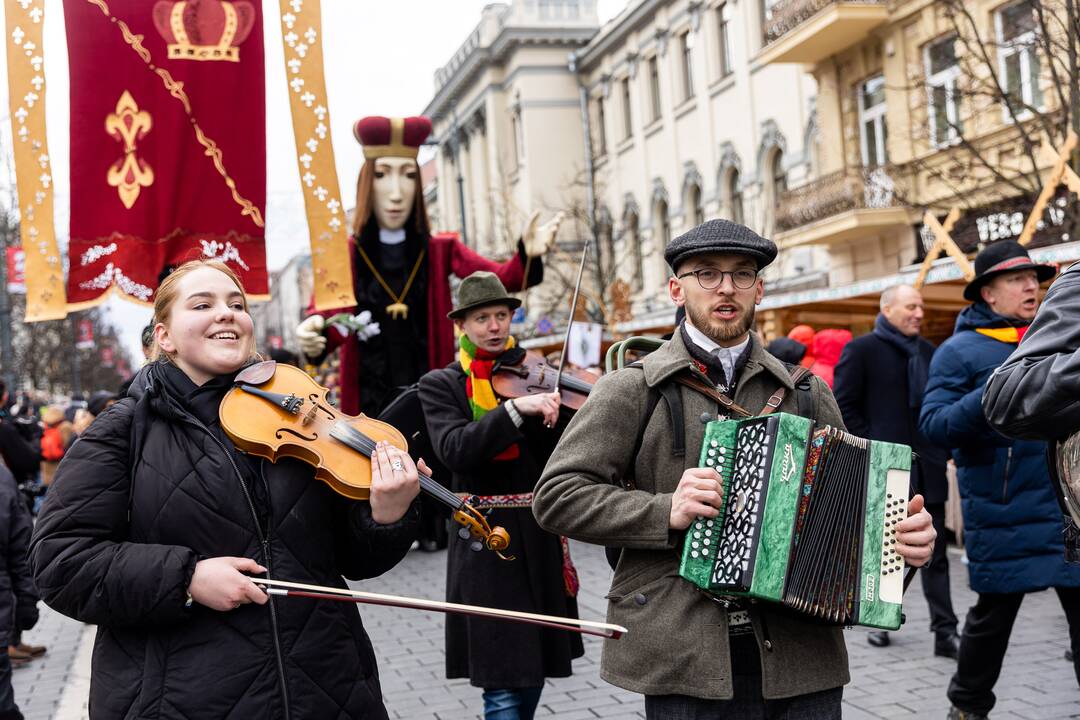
point(83, 564)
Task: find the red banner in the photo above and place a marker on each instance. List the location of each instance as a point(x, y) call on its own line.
point(85, 340)
point(168, 142)
point(16, 270)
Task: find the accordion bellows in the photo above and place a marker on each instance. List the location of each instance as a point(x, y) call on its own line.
point(808, 520)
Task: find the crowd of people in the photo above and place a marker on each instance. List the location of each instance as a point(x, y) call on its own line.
point(155, 525)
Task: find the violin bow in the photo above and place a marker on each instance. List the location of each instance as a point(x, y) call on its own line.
point(285, 588)
point(573, 311)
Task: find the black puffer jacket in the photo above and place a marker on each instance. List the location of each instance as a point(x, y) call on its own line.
point(154, 658)
point(18, 599)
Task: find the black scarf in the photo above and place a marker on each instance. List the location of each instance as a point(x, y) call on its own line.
point(917, 366)
point(202, 401)
point(713, 367)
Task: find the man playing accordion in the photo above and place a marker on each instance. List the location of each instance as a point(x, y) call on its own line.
point(617, 478)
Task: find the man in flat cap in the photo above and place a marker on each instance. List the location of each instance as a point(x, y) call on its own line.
point(622, 477)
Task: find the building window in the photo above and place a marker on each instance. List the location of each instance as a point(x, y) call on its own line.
point(768, 13)
point(694, 211)
point(600, 146)
point(628, 126)
point(686, 52)
point(723, 41)
point(654, 87)
point(942, 73)
point(517, 135)
point(632, 238)
point(779, 177)
point(662, 228)
point(1018, 56)
point(734, 197)
point(873, 131)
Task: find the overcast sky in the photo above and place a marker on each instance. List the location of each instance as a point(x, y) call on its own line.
point(380, 58)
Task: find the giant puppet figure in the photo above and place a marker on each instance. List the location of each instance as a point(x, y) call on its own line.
point(401, 272)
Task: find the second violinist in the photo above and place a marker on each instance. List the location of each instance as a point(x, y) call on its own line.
point(496, 452)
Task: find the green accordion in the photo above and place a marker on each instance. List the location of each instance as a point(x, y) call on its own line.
point(808, 520)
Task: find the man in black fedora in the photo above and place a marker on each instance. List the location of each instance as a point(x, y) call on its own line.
point(495, 450)
point(1012, 521)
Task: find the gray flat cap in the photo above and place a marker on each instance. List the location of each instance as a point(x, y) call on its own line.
point(720, 236)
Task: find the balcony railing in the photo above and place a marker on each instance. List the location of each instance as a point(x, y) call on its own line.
point(787, 15)
point(835, 193)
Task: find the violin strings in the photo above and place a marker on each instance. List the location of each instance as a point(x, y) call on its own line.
point(362, 443)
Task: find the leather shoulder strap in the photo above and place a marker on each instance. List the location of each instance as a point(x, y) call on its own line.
point(712, 393)
point(797, 374)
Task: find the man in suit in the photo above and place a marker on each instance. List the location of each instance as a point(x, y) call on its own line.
point(879, 385)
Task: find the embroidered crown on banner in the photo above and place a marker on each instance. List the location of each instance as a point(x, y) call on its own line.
point(204, 29)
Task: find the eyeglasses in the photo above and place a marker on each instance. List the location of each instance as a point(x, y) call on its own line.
point(710, 279)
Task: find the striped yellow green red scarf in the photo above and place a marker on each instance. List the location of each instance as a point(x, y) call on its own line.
point(477, 365)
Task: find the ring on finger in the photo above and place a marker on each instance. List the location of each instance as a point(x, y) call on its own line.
point(396, 464)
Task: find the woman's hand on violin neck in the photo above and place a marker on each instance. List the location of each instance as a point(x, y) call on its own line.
point(220, 583)
point(543, 405)
point(395, 483)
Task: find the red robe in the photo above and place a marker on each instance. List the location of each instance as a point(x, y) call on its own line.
point(446, 255)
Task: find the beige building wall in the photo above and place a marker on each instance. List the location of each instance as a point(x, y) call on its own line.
point(507, 121)
point(699, 156)
point(868, 239)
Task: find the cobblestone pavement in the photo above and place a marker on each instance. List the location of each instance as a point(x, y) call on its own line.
point(901, 681)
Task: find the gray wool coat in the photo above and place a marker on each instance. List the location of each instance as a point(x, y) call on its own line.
point(678, 636)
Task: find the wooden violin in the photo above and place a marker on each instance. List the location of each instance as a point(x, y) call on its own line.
point(276, 411)
point(533, 375)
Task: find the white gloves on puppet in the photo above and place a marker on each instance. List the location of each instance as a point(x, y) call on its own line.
point(309, 335)
point(538, 240)
point(310, 332)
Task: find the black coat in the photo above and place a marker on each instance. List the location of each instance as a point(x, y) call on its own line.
point(18, 598)
point(871, 388)
point(22, 458)
point(495, 654)
point(191, 496)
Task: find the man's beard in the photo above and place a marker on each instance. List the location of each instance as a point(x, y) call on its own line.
point(720, 331)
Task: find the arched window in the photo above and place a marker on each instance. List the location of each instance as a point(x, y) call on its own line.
point(733, 196)
point(695, 213)
point(606, 244)
point(779, 176)
point(631, 238)
point(662, 229)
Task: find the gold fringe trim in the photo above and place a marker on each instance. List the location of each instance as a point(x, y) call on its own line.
point(46, 297)
point(301, 34)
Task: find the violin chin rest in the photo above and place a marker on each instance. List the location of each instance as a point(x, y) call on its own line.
point(257, 374)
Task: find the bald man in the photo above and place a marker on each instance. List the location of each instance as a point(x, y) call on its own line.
point(879, 384)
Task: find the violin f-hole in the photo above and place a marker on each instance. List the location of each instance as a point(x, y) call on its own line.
point(278, 434)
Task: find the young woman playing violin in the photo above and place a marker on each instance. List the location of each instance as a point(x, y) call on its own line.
point(155, 524)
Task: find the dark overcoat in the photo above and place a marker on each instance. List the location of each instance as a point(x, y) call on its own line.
point(18, 598)
point(495, 654)
point(1012, 520)
point(871, 388)
point(154, 657)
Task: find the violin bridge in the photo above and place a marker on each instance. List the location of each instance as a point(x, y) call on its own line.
point(309, 415)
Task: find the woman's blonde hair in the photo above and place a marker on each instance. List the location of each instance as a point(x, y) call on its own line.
point(167, 295)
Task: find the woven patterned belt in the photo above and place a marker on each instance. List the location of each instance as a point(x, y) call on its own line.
point(523, 501)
